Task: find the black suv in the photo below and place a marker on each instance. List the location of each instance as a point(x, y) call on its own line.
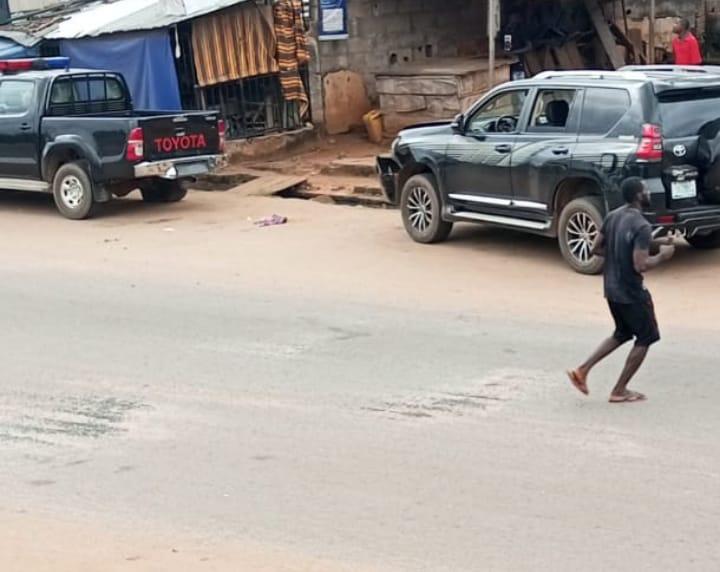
point(547, 155)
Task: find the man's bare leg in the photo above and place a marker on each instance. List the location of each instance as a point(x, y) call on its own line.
point(632, 365)
point(578, 376)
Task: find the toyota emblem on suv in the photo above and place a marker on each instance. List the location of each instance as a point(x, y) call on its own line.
point(679, 150)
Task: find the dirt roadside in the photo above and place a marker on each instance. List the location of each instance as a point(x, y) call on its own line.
point(210, 240)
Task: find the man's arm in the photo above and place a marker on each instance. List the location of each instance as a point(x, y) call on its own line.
point(644, 262)
point(695, 52)
point(642, 259)
point(598, 248)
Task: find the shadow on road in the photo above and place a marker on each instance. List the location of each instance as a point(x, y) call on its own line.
point(521, 246)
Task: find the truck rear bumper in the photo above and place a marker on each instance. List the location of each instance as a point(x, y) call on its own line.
point(692, 221)
point(183, 168)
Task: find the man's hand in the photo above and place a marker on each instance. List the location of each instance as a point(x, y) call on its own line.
point(667, 252)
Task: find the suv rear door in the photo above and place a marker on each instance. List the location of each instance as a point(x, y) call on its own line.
point(544, 149)
point(607, 137)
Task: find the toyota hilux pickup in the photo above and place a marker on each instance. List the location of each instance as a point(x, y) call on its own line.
point(547, 155)
point(75, 134)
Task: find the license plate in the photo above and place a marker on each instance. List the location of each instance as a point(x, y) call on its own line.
point(683, 189)
point(189, 169)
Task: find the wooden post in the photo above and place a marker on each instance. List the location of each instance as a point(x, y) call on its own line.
point(651, 32)
point(491, 32)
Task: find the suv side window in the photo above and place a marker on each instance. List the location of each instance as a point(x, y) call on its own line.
point(506, 106)
point(16, 97)
point(603, 109)
point(551, 111)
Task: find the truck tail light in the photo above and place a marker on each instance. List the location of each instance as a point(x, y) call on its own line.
point(650, 148)
point(135, 145)
point(222, 135)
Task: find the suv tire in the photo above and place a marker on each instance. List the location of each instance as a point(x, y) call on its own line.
point(73, 191)
point(580, 223)
point(421, 209)
point(705, 241)
point(161, 191)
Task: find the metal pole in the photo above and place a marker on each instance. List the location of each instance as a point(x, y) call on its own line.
point(651, 43)
point(491, 42)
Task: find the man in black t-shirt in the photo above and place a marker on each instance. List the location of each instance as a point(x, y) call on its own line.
point(625, 241)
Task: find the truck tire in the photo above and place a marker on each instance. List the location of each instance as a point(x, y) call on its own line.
point(73, 191)
point(161, 191)
point(706, 241)
point(421, 210)
point(580, 223)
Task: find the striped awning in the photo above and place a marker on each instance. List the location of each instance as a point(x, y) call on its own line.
point(235, 43)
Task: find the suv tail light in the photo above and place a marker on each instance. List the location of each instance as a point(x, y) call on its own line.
point(222, 135)
point(651, 144)
point(135, 145)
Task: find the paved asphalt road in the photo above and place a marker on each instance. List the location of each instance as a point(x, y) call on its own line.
point(231, 399)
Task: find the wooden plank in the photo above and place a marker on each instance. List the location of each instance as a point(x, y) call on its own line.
point(548, 60)
point(573, 52)
point(533, 64)
point(605, 36)
point(563, 58)
point(270, 184)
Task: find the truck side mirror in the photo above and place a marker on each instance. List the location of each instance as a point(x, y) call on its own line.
point(457, 123)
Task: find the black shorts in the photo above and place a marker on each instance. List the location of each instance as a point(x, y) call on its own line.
point(635, 321)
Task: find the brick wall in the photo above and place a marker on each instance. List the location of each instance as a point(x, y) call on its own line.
point(386, 33)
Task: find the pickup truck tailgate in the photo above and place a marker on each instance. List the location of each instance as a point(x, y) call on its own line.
point(177, 136)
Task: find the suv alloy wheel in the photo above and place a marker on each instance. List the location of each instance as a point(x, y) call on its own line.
point(422, 210)
point(580, 224)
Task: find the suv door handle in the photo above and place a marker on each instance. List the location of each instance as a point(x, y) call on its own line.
point(503, 148)
point(560, 151)
point(25, 127)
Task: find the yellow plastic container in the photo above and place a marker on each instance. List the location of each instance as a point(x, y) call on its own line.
point(374, 125)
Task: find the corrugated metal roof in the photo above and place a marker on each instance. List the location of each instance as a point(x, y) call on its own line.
point(91, 19)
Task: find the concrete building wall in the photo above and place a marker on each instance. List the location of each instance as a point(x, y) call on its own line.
point(387, 33)
point(24, 5)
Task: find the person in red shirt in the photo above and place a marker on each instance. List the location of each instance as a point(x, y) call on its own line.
point(686, 48)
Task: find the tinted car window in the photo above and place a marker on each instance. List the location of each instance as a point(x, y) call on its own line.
point(16, 97)
point(552, 110)
point(508, 105)
point(603, 109)
point(684, 113)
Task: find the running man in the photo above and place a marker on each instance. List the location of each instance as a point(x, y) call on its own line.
point(625, 242)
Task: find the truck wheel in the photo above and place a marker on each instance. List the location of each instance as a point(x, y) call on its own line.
point(73, 192)
point(706, 241)
point(579, 226)
point(163, 191)
point(421, 210)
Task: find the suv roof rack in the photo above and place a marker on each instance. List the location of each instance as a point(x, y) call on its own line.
point(673, 69)
point(592, 74)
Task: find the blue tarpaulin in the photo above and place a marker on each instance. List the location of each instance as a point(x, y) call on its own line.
point(144, 58)
point(10, 49)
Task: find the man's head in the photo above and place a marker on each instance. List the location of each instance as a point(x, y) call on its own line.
point(635, 192)
point(682, 26)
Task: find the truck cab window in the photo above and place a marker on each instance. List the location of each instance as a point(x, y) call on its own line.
point(15, 97)
point(62, 92)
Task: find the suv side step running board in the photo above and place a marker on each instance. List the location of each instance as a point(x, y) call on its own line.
point(503, 220)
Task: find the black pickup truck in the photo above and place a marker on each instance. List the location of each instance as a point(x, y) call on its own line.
point(75, 134)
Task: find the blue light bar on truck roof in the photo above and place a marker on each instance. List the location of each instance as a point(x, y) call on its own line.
point(28, 64)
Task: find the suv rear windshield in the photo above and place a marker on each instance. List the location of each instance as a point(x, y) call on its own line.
point(685, 112)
